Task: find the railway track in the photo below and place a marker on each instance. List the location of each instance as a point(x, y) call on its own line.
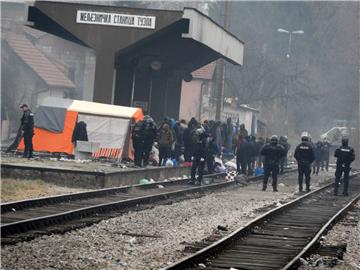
point(279, 238)
point(27, 219)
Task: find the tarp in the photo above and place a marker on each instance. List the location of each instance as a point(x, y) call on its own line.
point(50, 118)
point(47, 141)
point(110, 132)
point(107, 124)
point(95, 108)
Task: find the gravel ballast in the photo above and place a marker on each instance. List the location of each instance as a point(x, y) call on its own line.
point(347, 231)
point(149, 239)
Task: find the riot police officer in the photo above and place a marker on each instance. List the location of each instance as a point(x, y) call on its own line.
point(304, 155)
point(27, 126)
point(149, 132)
point(138, 142)
point(272, 153)
point(345, 155)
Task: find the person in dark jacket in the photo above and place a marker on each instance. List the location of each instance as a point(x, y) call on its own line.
point(137, 136)
point(345, 156)
point(199, 155)
point(253, 155)
point(179, 132)
point(272, 153)
point(259, 145)
point(80, 132)
point(304, 155)
point(318, 150)
point(283, 160)
point(325, 155)
point(188, 145)
point(212, 151)
point(165, 140)
point(241, 159)
point(27, 126)
point(149, 132)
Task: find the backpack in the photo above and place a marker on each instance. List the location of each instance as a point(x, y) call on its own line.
point(165, 137)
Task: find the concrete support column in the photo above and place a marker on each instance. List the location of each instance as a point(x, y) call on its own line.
point(104, 72)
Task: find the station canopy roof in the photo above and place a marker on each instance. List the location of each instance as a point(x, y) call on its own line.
point(181, 41)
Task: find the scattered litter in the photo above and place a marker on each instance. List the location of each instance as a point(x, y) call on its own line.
point(278, 204)
point(201, 265)
point(160, 186)
point(232, 268)
point(132, 240)
point(151, 180)
point(13, 209)
point(169, 163)
point(144, 181)
point(230, 165)
point(259, 171)
point(281, 185)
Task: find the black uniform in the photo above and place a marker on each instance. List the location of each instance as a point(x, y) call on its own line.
point(272, 153)
point(304, 155)
point(149, 132)
point(27, 125)
point(345, 155)
point(199, 156)
point(138, 142)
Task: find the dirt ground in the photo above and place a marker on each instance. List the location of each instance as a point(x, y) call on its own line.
point(14, 190)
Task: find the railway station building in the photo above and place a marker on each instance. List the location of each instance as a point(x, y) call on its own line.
point(142, 55)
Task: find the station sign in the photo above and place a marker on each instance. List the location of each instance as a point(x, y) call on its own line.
point(115, 19)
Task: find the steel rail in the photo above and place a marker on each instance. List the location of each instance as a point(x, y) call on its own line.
point(213, 249)
point(21, 226)
point(48, 200)
point(294, 262)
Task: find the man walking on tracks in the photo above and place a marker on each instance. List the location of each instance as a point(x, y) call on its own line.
point(345, 155)
point(27, 126)
point(304, 155)
point(272, 153)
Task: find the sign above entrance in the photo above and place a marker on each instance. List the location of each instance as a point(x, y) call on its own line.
point(115, 19)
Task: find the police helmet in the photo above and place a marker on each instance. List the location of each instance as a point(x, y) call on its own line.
point(274, 139)
point(345, 141)
point(305, 137)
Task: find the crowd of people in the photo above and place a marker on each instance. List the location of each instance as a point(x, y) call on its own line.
point(197, 144)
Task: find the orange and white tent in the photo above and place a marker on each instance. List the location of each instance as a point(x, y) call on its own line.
point(108, 125)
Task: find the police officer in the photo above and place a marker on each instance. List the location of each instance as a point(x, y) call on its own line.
point(345, 155)
point(199, 138)
point(27, 126)
point(138, 142)
point(272, 153)
point(304, 155)
point(149, 132)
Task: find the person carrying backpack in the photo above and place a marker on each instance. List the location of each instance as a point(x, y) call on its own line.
point(165, 140)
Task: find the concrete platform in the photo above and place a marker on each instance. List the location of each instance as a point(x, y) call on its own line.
point(83, 175)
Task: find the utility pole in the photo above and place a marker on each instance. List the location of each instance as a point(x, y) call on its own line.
point(221, 85)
